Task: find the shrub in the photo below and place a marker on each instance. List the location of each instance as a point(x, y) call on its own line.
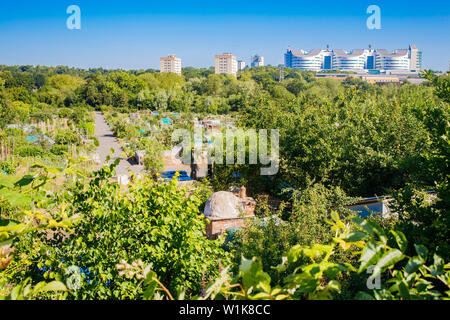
point(65, 112)
point(81, 114)
point(14, 132)
point(96, 142)
point(8, 167)
point(67, 137)
point(30, 151)
point(154, 222)
point(89, 128)
point(6, 210)
point(59, 149)
point(153, 159)
point(420, 276)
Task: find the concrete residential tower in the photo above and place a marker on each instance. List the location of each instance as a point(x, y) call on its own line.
point(415, 58)
point(241, 65)
point(170, 64)
point(226, 63)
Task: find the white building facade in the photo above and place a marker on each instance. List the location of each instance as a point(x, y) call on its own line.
point(257, 61)
point(241, 65)
point(170, 64)
point(348, 61)
point(403, 60)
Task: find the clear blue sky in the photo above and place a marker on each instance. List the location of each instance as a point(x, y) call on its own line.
point(133, 34)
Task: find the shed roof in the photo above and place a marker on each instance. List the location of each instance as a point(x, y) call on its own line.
point(223, 205)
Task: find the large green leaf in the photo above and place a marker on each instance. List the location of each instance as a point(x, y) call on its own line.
point(54, 286)
point(371, 253)
point(26, 180)
point(400, 239)
point(6, 223)
point(438, 266)
point(422, 251)
point(151, 286)
point(413, 265)
point(373, 229)
point(6, 184)
point(294, 253)
point(363, 296)
point(253, 275)
point(404, 290)
point(356, 236)
point(389, 259)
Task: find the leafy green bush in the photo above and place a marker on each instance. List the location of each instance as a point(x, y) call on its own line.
point(153, 221)
point(89, 128)
point(14, 132)
point(8, 167)
point(30, 151)
point(416, 277)
point(59, 149)
point(274, 233)
point(153, 159)
point(96, 142)
point(66, 137)
point(81, 115)
point(6, 210)
point(65, 112)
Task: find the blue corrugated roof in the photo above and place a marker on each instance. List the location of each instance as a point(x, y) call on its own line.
point(168, 175)
point(31, 138)
point(166, 121)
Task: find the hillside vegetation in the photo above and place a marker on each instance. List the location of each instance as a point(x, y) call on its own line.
point(339, 142)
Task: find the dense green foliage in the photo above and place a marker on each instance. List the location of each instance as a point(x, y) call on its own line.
point(316, 276)
point(8, 167)
point(152, 221)
point(153, 156)
point(271, 236)
point(338, 142)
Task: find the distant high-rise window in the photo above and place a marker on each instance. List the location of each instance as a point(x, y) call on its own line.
point(327, 63)
point(370, 62)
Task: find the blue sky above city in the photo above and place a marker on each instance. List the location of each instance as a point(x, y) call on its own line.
point(135, 34)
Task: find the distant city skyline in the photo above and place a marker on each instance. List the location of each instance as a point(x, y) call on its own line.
point(135, 34)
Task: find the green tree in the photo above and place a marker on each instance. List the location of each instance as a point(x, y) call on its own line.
point(155, 222)
point(6, 112)
point(153, 159)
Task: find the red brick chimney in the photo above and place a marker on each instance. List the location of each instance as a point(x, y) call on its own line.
point(243, 193)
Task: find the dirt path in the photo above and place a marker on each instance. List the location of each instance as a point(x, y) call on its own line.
point(107, 141)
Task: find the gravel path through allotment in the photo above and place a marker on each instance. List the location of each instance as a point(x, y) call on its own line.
point(107, 141)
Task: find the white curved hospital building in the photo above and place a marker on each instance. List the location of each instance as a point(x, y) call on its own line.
point(355, 60)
